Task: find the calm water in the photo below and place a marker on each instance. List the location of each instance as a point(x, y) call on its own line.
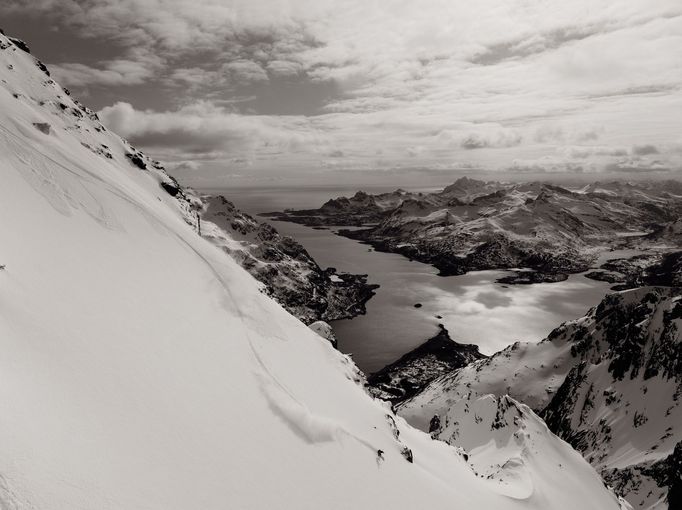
point(473, 308)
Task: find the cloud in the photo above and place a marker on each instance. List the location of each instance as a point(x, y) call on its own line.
point(415, 151)
point(245, 71)
point(559, 134)
point(112, 72)
point(501, 138)
point(644, 150)
point(284, 68)
point(193, 77)
point(546, 133)
point(549, 164)
point(554, 83)
point(474, 141)
point(204, 130)
point(637, 166)
point(583, 152)
point(184, 166)
point(526, 46)
point(589, 135)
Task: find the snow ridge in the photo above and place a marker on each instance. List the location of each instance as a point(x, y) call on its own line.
point(608, 383)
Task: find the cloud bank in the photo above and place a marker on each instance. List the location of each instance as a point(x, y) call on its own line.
point(560, 86)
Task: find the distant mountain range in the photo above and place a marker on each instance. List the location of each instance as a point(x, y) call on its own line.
point(471, 225)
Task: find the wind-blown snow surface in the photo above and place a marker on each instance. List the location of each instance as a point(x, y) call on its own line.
point(141, 368)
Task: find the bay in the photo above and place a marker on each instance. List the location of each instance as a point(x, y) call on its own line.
point(472, 307)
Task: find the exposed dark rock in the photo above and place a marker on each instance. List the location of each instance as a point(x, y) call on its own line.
point(20, 44)
point(42, 67)
point(635, 342)
point(136, 159)
point(529, 277)
point(43, 127)
point(172, 187)
point(407, 453)
point(412, 372)
point(279, 261)
point(434, 424)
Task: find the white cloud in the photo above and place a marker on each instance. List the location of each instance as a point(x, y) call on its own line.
point(245, 71)
point(644, 150)
point(284, 67)
point(113, 72)
point(205, 130)
point(500, 138)
point(540, 83)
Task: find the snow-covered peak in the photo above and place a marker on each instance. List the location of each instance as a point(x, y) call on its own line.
point(506, 442)
point(608, 383)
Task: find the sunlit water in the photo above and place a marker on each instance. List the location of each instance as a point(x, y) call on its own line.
point(473, 307)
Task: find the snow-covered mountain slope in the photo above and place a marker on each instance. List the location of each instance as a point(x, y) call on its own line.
point(608, 383)
point(142, 368)
point(283, 265)
point(506, 442)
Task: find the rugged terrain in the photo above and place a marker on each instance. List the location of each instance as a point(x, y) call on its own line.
point(142, 367)
point(609, 383)
point(646, 269)
point(472, 225)
point(408, 375)
point(289, 273)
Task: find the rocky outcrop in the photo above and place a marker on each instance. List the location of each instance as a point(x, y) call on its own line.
point(288, 272)
point(405, 377)
point(663, 269)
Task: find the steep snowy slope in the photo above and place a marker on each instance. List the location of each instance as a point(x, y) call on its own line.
point(608, 383)
point(506, 442)
point(142, 368)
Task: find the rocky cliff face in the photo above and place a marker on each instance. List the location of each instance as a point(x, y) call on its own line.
point(620, 405)
point(474, 225)
point(288, 272)
point(609, 384)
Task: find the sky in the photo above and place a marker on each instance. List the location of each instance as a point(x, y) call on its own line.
point(240, 91)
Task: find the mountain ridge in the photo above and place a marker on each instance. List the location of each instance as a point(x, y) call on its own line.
point(588, 380)
point(475, 225)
